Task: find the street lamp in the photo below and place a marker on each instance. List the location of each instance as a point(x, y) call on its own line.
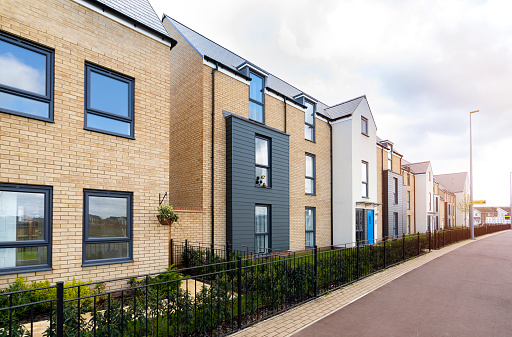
point(471, 222)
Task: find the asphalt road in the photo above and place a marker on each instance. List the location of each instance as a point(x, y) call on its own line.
point(467, 292)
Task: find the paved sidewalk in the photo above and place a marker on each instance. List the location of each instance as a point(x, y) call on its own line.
point(300, 317)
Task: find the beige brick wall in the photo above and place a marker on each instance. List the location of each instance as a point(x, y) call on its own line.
point(69, 158)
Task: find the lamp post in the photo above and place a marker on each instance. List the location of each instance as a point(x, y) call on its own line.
point(510, 213)
point(471, 222)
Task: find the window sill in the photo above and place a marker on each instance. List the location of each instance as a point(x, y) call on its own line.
point(309, 140)
point(310, 193)
point(105, 262)
point(18, 270)
point(364, 134)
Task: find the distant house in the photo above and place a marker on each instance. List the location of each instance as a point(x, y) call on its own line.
point(457, 183)
point(491, 214)
point(425, 199)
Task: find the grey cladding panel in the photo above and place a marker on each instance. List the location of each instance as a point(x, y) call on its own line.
point(243, 195)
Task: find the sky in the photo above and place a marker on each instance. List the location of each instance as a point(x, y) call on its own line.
point(423, 66)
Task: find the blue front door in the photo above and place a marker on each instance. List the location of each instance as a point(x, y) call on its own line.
point(369, 226)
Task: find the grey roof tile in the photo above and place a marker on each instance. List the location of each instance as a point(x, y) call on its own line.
point(454, 182)
point(344, 109)
point(138, 10)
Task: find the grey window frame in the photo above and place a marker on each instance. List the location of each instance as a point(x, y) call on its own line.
point(313, 126)
point(269, 229)
point(365, 181)
point(395, 191)
point(390, 158)
point(87, 101)
point(269, 156)
point(262, 96)
point(364, 121)
point(429, 201)
point(50, 65)
point(409, 223)
point(408, 179)
point(395, 224)
point(47, 242)
point(129, 229)
point(360, 220)
point(314, 226)
point(313, 178)
point(408, 199)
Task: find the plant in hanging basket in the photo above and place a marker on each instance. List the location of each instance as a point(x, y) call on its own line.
point(166, 215)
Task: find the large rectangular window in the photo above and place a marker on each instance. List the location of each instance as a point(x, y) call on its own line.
point(364, 175)
point(310, 173)
point(256, 98)
point(395, 224)
point(26, 78)
point(107, 227)
point(408, 199)
point(262, 150)
point(109, 102)
point(409, 224)
point(364, 126)
point(309, 121)
point(262, 229)
point(25, 228)
point(395, 191)
point(390, 158)
point(310, 227)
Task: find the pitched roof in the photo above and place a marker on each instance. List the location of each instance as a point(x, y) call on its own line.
point(487, 209)
point(140, 11)
point(419, 168)
point(207, 48)
point(343, 109)
point(506, 208)
point(454, 182)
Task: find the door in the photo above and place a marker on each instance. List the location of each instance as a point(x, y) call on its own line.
point(369, 226)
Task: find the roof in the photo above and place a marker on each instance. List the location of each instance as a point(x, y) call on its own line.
point(506, 208)
point(343, 109)
point(486, 209)
point(419, 168)
point(454, 182)
point(206, 48)
point(140, 11)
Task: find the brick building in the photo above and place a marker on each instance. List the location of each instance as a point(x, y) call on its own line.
point(84, 139)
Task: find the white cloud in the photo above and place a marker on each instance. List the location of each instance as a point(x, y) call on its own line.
point(15, 73)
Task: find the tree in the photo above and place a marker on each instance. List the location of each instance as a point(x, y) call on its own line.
point(463, 206)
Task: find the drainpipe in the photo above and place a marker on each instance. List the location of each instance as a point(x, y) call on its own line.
point(332, 190)
point(213, 152)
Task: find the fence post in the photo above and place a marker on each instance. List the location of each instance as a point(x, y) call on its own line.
point(239, 289)
point(384, 258)
point(186, 253)
point(429, 244)
point(419, 247)
point(316, 271)
point(172, 251)
point(403, 246)
point(60, 309)
point(357, 259)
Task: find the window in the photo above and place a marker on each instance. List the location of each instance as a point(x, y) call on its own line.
point(409, 224)
point(429, 176)
point(26, 78)
point(360, 235)
point(256, 98)
point(364, 126)
point(428, 223)
point(310, 173)
point(437, 204)
point(408, 179)
point(408, 199)
point(364, 174)
point(262, 162)
point(429, 201)
point(390, 159)
point(395, 224)
point(109, 102)
point(395, 191)
point(309, 121)
point(262, 229)
point(107, 227)
point(25, 228)
point(310, 227)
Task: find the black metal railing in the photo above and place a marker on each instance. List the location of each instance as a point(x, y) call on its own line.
point(213, 299)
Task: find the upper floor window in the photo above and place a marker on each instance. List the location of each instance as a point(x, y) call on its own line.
point(390, 159)
point(429, 201)
point(262, 159)
point(408, 199)
point(364, 175)
point(429, 176)
point(256, 98)
point(25, 228)
point(309, 121)
point(26, 78)
point(310, 173)
point(408, 179)
point(107, 227)
point(395, 191)
point(364, 126)
point(109, 102)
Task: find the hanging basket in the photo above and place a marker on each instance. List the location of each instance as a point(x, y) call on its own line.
point(165, 221)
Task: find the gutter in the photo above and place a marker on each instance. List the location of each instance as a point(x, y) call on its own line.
point(228, 68)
